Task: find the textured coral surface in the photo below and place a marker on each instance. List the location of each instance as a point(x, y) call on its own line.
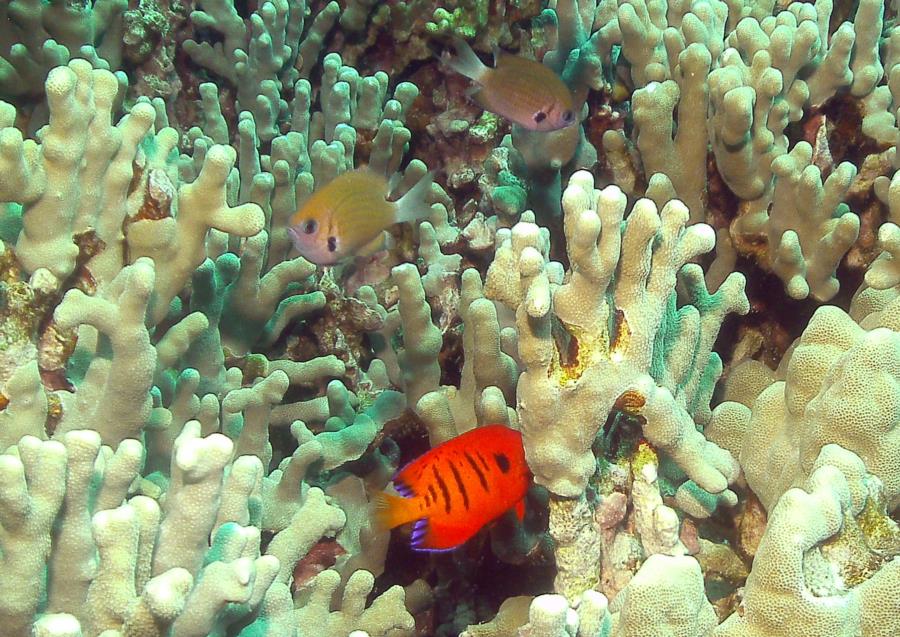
point(687, 301)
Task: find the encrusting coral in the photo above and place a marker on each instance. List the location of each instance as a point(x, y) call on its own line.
point(196, 422)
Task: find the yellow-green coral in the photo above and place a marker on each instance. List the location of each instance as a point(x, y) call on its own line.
point(463, 21)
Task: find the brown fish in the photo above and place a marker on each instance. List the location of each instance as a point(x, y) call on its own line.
point(521, 90)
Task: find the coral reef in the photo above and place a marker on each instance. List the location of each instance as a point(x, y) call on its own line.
point(687, 302)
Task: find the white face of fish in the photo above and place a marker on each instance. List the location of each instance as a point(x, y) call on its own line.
point(313, 243)
point(551, 117)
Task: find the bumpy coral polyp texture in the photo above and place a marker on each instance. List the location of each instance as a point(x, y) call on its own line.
point(819, 569)
point(839, 386)
point(193, 420)
point(622, 275)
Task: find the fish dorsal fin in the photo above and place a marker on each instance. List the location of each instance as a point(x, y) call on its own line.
point(403, 486)
point(361, 178)
point(515, 63)
point(579, 98)
point(394, 183)
point(407, 480)
point(346, 188)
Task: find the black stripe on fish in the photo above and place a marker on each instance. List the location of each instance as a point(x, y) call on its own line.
point(477, 470)
point(502, 462)
point(432, 493)
point(443, 487)
point(483, 462)
point(459, 483)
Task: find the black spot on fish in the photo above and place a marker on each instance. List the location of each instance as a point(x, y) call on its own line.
point(332, 244)
point(443, 487)
point(459, 483)
point(502, 462)
point(539, 117)
point(477, 470)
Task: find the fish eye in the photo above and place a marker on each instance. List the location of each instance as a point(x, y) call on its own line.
point(332, 244)
point(309, 226)
point(568, 116)
point(539, 117)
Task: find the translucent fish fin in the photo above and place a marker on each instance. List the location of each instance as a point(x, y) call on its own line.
point(394, 182)
point(465, 62)
point(520, 509)
point(390, 511)
point(433, 535)
point(414, 204)
point(579, 97)
point(373, 246)
point(498, 53)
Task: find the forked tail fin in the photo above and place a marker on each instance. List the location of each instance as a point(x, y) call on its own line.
point(465, 62)
point(414, 204)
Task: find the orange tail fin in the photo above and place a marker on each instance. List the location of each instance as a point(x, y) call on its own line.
point(392, 510)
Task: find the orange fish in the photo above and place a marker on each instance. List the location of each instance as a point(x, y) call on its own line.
point(521, 90)
point(347, 217)
point(453, 490)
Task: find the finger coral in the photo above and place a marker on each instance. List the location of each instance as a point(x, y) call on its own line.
point(685, 302)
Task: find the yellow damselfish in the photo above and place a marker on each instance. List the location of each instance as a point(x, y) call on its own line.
point(348, 216)
point(521, 90)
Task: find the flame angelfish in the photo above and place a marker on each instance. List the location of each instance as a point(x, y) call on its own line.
point(456, 488)
point(523, 91)
point(348, 216)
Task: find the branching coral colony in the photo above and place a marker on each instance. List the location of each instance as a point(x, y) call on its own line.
point(194, 420)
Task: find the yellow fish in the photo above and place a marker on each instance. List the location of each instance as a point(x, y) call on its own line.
point(521, 90)
point(347, 217)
